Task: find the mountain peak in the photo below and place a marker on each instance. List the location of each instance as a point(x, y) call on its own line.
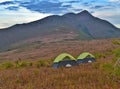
point(81, 26)
point(69, 15)
point(84, 12)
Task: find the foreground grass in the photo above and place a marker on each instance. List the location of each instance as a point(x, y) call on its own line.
point(98, 75)
point(40, 75)
point(80, 77)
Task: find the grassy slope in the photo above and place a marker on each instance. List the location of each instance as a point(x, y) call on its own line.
point(38, 50)
point(99, 75)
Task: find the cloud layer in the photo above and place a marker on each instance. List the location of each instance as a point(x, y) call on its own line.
point(22, 11)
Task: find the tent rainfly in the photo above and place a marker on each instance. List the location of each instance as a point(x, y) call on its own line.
point(64, 60)
point(86, 57)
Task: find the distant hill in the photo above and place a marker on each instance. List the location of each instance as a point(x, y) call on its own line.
point(82, 26)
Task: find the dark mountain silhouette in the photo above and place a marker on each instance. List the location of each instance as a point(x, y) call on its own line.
point(81, 26)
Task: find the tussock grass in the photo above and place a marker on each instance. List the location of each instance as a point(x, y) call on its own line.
point(116, 52)
point(39, 75)
point(23, 64)
point(116, 41)
point(84, 76)
point(6, 65)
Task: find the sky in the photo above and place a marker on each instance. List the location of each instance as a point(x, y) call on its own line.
point(23, 11)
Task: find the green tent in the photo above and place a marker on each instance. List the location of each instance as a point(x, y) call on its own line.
point(63, 56)
point(84, 55)
point(64, 60)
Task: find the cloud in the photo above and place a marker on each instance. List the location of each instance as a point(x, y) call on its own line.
point(4, 0)
point(78, 10)
point(109, 16)
point(114, 0)
point(66, 6)
point(23, 15)
point(117, 25)
point(19, 11)
point(45, 6)
point(42, 6)
point(86, 4)
point(97, 7)
point(16, 8)
point(7, 3)
point(102, 7)
point(72, 2)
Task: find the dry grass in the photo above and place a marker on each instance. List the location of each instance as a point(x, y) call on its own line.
point(80, 77)
point(37, 51)
point(98, 75)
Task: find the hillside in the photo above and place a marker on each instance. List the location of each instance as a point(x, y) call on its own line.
point(82, 26)
point(38, 50)
point(35, 71)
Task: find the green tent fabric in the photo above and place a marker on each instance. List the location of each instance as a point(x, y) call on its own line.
point(62, 56)
point(84, 55)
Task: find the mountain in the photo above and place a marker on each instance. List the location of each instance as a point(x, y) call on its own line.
point(81, 26)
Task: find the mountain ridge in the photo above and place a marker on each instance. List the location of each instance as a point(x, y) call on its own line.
point(82, 26)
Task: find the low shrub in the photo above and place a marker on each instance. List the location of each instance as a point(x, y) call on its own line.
point(114, 60)
point(99, 55)
point(23, 64)
point(19, 64)
point(116, 52)
point(42, 63)
point(117, 71)
point(7, 65)
point(111, 69)
point(117, 42)
point(107, 66)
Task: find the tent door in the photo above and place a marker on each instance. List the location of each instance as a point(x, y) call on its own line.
point(68, 65)
point(89, 61)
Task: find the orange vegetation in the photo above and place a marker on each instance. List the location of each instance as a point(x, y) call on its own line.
point(96, 75)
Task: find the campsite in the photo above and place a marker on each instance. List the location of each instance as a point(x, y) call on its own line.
point(67, 60)
point(39, 73)
point(59, 44)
